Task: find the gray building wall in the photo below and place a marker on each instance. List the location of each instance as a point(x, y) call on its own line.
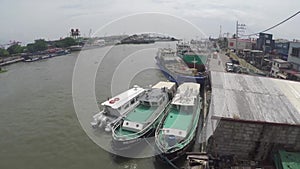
point(252, 141)
point(242, 44)
point(292, 59)
point(265, 42)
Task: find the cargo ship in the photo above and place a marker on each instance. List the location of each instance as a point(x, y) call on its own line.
point(175, 69)
point(191, 57)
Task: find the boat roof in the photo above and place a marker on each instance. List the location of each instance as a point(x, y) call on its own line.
point(186, 94)
point(280, 61)
point(123, 97)
point(153, 95)
point(168, 85)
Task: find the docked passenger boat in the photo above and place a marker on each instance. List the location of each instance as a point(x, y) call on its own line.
point(177, 130)
point(75, 48)
point(174, 68)
point(29, 59)
point(144, 118)
point(116, 108)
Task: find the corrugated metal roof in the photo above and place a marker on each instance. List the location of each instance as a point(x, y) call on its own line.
point(254, 98)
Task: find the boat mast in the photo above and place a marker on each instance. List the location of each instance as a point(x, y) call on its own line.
point(194, 62)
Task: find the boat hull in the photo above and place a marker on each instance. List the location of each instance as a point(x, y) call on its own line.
point(174, 156)
point(179, 79)
point(167, 150)
point(32, 60)
point(121, 145)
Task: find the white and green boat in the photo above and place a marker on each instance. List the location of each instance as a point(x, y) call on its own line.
point(177, 130)
point(115, 108)
point(144, 118)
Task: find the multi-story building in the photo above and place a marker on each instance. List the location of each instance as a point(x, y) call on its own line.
point(282, 48)
point(294, 55)
point(265, 42)
point(277, 66)
point(241, 44)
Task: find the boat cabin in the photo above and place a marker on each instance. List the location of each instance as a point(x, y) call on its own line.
point(124, 102)
point(141, 115)
point(180, 116)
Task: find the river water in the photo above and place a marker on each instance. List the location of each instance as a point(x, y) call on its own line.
point(38, 124)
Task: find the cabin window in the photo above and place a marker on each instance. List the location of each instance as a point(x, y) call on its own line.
point(154, 104)
point(132, 101)
point(295, 52)
point(126, 106)
point(119, 108)
point(146, 103)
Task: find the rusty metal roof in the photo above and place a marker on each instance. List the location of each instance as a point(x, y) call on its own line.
point(251, 98)
point(254, 98)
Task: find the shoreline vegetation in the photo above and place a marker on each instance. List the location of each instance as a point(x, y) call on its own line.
point(3, 70)
point(42, 49)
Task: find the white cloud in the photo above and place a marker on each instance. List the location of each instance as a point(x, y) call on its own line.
point(27, 20)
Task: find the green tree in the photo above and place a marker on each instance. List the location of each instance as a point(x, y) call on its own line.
point(66, 42)
point(3, 52)
point(38, 45)
point(30, 47)
point(15, 48)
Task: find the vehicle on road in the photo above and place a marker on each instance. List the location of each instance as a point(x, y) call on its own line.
point(229, 66)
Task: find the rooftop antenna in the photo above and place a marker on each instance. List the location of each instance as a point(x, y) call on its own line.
point(90, 32)
point(220, 35)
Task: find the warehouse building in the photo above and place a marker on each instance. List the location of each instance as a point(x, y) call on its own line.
point(251, 117)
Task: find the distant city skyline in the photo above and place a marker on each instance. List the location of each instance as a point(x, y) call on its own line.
point(28, 20)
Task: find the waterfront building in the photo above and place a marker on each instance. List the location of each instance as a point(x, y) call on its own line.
point(294, 55)
point(250, 117)
point(281, 47)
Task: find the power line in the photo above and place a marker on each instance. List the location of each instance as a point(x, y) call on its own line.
point(274, 25)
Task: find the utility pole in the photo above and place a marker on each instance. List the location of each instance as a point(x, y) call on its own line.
point(236, 35)
point(220, 35)
point(240, 28)
point(90, 33)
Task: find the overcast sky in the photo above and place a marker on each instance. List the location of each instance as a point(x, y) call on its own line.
point(32, 19)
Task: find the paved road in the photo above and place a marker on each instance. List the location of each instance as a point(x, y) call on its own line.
point(216, 62)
